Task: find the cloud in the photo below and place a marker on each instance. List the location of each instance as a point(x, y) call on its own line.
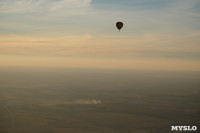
point(25, 6)
point(29, 45)
point(69, 16)
point(63, 4)
point(185, 4)
point(16, 6)
point(92, 62)
point(84, 101)
point(69, 102)
point(186, 7)
point(144, 45)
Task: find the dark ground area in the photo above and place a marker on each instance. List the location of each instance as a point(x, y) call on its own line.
point(97, 101)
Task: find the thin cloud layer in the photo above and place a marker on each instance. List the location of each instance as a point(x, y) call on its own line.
point(144, 45)
point(25, 6)
point(86, 28)
point(63, 4)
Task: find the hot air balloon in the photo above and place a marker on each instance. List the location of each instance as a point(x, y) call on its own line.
point(119, 25)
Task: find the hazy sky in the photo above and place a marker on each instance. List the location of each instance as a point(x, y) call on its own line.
point(157, 34)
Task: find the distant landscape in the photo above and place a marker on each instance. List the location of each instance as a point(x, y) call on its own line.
point(97, 100)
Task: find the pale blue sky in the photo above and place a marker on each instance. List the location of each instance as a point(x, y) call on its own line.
point(98, 16)
point(155, 29)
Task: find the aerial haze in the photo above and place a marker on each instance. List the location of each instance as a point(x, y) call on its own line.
point(97, 100)
point(65, 67)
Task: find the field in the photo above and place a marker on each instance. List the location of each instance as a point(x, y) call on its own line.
point(97, 101)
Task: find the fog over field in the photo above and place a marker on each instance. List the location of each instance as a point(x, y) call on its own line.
point(40, 100)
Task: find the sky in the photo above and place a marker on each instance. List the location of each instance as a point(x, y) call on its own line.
point(157, 34)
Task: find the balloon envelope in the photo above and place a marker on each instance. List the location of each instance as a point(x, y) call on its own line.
point(119, 25)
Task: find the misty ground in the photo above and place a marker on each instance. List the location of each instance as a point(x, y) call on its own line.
point(97, 100)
